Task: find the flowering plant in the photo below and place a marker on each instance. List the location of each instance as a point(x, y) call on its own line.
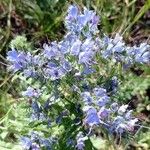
point(65, 84)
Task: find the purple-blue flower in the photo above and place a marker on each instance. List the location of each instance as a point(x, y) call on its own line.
point(26, 143)
point(76, 21)
point(82, 20)
point(66, 65)
point(51, 51)
point(86, 58)
point(73, 11)
point(99, 92)
point(92, 117)
point(102, 101)
point(17, 59)
point(12, 55)
point(103, 113)
point(31, 92)
point(75, 49)
point(87, 70)
point(88, 45)
point(143, 58)
point(16, 66)
point(54, 73)
point(87, 98)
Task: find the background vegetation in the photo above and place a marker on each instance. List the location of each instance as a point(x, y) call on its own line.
point(41, 21)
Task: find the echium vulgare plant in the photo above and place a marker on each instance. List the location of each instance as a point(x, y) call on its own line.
point(64, 91)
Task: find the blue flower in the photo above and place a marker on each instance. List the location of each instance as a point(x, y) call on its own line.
point(75, 49)
point(92, 117)
point(70, 38)
point(113, 47)
point(82, 20)
point(12, 55)
point(17, 59)
point(89, 14)
point(100, 92)
point(115, 124)
point(95, 20)
point(30, 72)
point(34, 136)
point(103, 113)
point(31, 92)
point(119, 47)
point(87, 98)
point(76, 55)
point(144, 58)
point(51, 51)
point(73, 11)
point(66, 65)
point(87, 70)
point(16, 66)
point(55, 73)
point(36, 60)
point(102, 101)
point(88, 45)
point(86, 58)
point(80, 145)
point(29, 58)
point(52, 65)
point(26, 143)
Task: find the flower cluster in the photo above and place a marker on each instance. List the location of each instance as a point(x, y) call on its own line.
point(62, 66)
point(100, 111)
point(79, 47)
point(36, 142)
point(116, 49)
point(78, 22)
point(26, 62)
